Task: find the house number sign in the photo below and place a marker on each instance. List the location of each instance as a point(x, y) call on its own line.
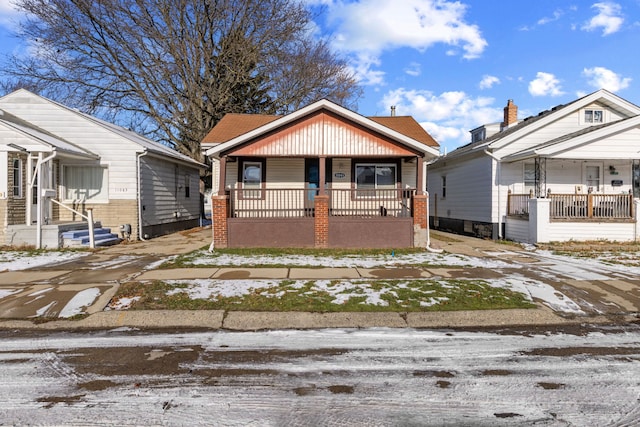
point(339, 175)
point(616, 183)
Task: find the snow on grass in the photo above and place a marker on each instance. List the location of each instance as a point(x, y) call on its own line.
point(343, 290)
point(22, 260)
point(204, 258)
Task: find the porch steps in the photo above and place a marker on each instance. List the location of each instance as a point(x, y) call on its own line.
point(79, 238)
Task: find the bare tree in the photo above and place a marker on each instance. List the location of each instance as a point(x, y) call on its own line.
point(171, 69)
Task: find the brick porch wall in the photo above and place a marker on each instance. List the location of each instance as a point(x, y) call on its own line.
point(420, 210)
point(219, 214)
point(321, 224)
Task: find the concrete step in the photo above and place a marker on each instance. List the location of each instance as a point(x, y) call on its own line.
point(80, 238)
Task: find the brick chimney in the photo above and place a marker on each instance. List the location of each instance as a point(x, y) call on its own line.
point(510, 114)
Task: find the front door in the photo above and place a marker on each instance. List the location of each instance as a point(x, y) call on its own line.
point(312, 180)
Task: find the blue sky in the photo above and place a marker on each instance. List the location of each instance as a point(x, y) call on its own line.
point(453, 65)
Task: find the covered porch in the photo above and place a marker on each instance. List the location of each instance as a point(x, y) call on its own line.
point(575, 200)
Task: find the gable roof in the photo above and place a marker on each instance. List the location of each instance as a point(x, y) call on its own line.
point(42, 137)
point(425, 144)
point(233, 124)
point(533, 123)
point(407, 125)
point(145, 143)
point(572, 140)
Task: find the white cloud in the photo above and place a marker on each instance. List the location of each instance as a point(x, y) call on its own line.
point(414, 69)
point(375, 26)
point(8, 13)
point(556, 15)
point(545, 84)
point(488, 82)
point(602, 78)
point(609, 18)
point(447, 117)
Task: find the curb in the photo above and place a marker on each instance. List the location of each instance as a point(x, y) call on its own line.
point(257, 321)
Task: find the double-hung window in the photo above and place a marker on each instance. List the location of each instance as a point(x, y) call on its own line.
point(17, 178)
point(375, 176)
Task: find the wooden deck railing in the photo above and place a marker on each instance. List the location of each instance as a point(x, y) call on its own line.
point(596, 206)
point(299, 202)
point(518, 204)
point(577, 206)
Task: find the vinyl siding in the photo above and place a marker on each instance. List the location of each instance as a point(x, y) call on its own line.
point(163, 198)
point(469, 190)
point(563, 125)
point(116, 152)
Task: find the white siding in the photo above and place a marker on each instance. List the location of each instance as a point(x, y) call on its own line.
point(568, 231)
point(163, 195)
point(470, 194)
point(569, 123)
point(517, 230)
point(116, 152)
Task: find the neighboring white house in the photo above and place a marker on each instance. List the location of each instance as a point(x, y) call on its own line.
point(54, 158)
point(569, 173)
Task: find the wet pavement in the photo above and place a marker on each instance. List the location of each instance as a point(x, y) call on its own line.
point(605, 295)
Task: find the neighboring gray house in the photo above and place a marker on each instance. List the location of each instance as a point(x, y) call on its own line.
point(570, 173)
point(61, 163)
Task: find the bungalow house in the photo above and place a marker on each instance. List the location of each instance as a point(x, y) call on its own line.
point(569, 173)
point(322, 176)
point(60, 165)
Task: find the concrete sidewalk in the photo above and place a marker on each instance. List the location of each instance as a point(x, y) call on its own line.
point(69, 282)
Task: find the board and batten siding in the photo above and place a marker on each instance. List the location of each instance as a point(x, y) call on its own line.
point(163, 198)
point(470, 194)
point(323, 135)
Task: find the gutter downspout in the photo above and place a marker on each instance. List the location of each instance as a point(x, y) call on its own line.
point(499, 179)
point(140, 233)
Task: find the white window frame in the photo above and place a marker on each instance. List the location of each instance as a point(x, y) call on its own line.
point(17, 194)
point(587, 181)
point(589, 116)
point(101, 197)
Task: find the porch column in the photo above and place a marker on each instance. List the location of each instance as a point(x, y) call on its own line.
point(222, 173)
point(420, 205)
point(321, 220)
point(219, 214)
point(420, 177)
point(323, 176)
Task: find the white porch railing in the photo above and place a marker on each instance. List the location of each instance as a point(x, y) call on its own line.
point(88, 217)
